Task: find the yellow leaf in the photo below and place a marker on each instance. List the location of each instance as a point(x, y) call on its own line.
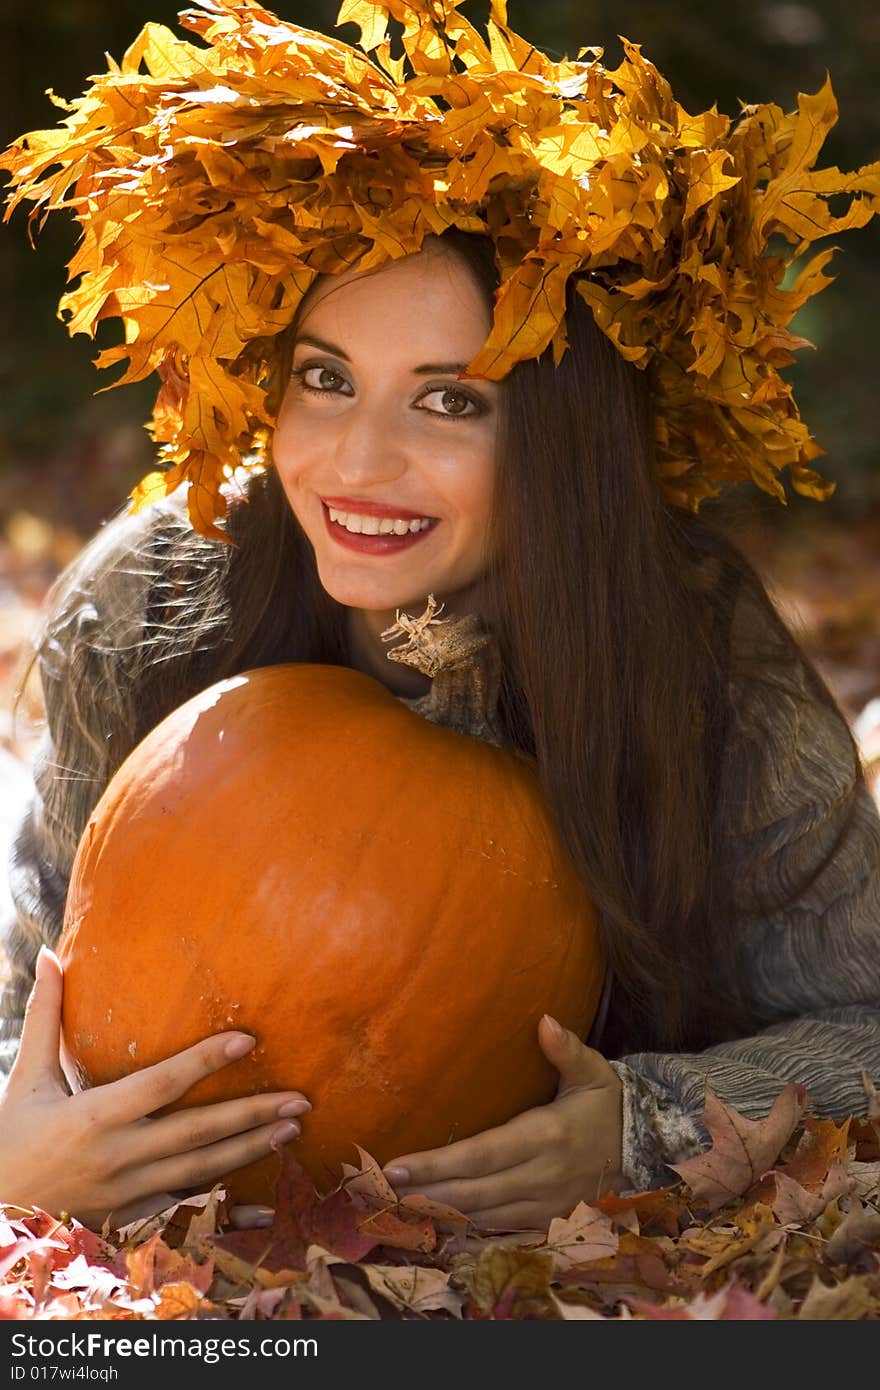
point(164, 55)
point(372, 20)
point(528, 309)
point(707, 179)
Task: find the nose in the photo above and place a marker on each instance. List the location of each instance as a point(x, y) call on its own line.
point(368, 449)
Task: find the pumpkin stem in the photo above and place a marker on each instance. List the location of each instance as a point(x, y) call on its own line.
point(462, 659)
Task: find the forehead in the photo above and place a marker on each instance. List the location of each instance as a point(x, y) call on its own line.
point(429, 298)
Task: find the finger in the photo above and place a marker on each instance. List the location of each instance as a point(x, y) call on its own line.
point(38, 1061)
point(579, 1066)
point(493, 1151)
point(151, 1088)
point(485, 1193)
point(515, 1216)
point(198, 1170)
point(200, 1126)
point(251, 1218)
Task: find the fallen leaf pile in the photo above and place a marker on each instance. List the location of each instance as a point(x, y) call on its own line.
point(779, 1218)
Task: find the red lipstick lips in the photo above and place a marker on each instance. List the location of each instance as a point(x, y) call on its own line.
point(364, 508)
point(375, 545)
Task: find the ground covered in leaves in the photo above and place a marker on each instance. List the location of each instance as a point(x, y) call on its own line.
point(779, 1219)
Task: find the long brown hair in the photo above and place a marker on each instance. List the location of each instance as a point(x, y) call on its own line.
point(613, 613)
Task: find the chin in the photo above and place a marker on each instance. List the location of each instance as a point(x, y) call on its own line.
point(379, 596)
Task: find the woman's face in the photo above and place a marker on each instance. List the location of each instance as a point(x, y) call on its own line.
point(375, 423)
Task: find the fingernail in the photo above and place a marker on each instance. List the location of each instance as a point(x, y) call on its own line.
point(281, 1133)
point(239, 1046)
point(294, 1107)
point(393, 1174)
point(42, 956)
point(555, 1028)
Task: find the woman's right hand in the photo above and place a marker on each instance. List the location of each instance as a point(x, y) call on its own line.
point(102, 1152)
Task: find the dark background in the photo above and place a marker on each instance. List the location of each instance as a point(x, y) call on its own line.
point(83, 451)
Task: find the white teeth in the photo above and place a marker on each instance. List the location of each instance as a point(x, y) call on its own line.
point(376, 526)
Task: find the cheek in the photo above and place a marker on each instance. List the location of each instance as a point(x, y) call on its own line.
point(292, 444)
point(474, 486)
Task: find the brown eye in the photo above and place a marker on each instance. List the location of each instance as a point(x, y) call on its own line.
point(320, 380)
point(323, 377)
point(454, 404)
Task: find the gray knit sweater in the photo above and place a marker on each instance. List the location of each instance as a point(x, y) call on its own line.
point(787, 782)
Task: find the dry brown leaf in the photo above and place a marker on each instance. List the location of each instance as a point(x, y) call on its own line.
point(742, 1150)
point(847, 1302)
point(587, 1234)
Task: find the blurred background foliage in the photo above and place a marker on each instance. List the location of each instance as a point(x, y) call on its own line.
point(82, 448)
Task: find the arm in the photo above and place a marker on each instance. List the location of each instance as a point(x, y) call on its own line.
point(799, 828)
point(130, 1160)
point(94, 616)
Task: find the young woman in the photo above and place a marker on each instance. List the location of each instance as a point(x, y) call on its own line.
point(706, 786)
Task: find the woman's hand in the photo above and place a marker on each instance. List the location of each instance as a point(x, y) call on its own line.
point(541, 1163)
point(97, 1154)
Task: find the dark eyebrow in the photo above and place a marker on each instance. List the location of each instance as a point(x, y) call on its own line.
point(428, 369)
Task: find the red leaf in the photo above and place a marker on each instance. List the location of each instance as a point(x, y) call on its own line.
point(662, 1209)
point(389, 1229)
point(302, 1218)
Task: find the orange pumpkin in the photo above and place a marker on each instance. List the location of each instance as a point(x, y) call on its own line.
point(381, 901)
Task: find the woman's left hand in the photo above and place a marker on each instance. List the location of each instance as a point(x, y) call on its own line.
point(541, 1163)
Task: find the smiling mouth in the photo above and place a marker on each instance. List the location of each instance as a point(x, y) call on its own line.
point(379, 544)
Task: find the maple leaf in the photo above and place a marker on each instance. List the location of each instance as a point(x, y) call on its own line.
point(302, 1218)
point(742, 1150)
point(796, 1205)
point(371, 1191)
point(586, 1234)
point(414, 1288)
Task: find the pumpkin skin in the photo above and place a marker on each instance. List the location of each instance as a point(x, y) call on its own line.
point(380, 900)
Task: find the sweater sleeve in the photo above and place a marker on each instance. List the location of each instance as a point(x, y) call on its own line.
point(93, 618)
point(801, 851)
